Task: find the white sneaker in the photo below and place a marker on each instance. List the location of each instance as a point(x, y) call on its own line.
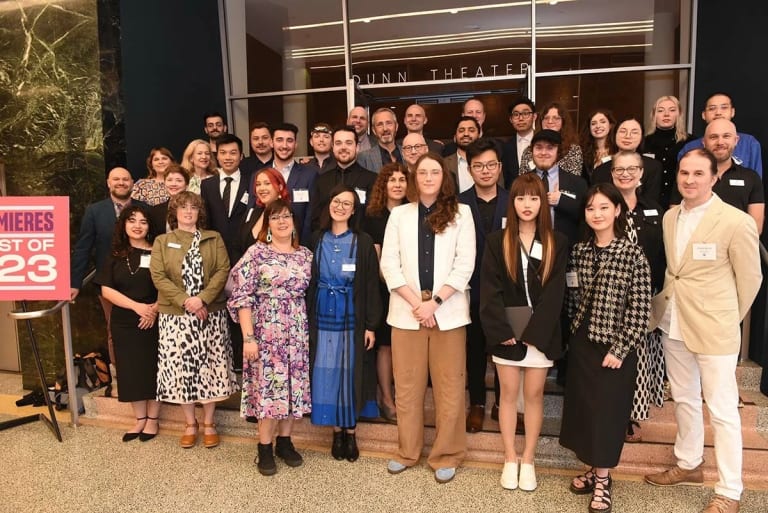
point(527, 477)
point(509, 475)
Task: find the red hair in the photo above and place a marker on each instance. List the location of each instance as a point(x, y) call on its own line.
point(277, 181)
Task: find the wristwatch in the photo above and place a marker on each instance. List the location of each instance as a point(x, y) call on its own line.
point(437, 299)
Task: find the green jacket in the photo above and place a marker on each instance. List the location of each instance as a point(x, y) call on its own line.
point(167, 256)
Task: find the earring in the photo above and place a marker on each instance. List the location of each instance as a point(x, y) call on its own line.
point(269, 235)
point(293, 234)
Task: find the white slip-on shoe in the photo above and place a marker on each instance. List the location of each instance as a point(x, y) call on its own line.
point(527, 480)
point(509, 475)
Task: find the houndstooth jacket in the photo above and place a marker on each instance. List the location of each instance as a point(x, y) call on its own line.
point(619, 299)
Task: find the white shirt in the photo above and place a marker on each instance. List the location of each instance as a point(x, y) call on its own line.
point(687, 222)
point(523, 141)
point(286, 171)
point(465, 179)
point(233, 188)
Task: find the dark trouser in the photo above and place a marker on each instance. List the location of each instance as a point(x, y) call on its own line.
point(477, 360)
point(236, 335)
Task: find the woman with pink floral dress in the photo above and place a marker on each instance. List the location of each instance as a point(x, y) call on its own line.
point(270, 282)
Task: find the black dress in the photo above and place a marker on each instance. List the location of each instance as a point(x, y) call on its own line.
point(135, 349)
point(375, 226)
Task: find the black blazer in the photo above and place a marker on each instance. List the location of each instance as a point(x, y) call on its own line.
point(647, 217)
point(469, 198)
point(227, 226)
point(511, 166)
point(568, 211)
point(651, 182)
point(497, 291)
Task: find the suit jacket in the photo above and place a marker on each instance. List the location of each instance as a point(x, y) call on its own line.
point(469, 198)
point(354, 175)
point(454, 262)
point(498, 291)
point(568, 210)
point(302, 178)
point(711, 296)
point(511, 166)
point(371, 158)
point(651, 182)
point(227, 225)
point(96, 230)
point(452, 165)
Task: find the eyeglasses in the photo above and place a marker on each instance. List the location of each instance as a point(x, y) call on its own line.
point(524, 114)
point(415, 147)
point(277, 217)
point(632, 170)
point(343, 204)
point(491, 166)
point(552, 118)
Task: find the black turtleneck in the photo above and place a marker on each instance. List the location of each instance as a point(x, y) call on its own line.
point(661, 145)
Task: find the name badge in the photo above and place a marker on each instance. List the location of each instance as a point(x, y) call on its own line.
point(144, 261)
point(361, 195)
point(503, 222)
point(536, 250)
point(568, 194)
point(572, 279)
point(174, 245)
point(650, 155)
point(250, 213)
point(606, 159)
point(650, 212)
point(736, 183)
point(531, 165)
point(301, 195)
point(348, 268)
point(244, 199)
point(704, 251)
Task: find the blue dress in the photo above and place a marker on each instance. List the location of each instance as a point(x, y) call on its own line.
point(333, 392)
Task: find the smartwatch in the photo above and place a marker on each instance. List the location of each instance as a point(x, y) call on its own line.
point(438, 299)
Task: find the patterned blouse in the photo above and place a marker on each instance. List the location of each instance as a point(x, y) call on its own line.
point(150, 191)
point(572, 162)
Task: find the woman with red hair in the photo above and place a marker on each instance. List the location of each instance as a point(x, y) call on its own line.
point(268, 185)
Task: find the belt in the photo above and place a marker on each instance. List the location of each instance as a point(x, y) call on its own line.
point(426, 295)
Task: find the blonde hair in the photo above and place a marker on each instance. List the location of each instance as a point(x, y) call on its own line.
point(186, 159)
point(680, 132)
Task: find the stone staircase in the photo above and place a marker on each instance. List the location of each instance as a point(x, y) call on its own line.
point(377, 437)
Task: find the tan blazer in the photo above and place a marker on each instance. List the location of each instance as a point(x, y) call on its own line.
point(712, 296)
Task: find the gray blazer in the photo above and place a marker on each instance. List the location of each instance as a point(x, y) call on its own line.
point(371, 159)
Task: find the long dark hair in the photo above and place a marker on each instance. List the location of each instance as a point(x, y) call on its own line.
point(614, 196)
point(121, 245)
point(447, 204)
point(354, 219)
point(588, 143)
point(377, 203)
point(528, 183)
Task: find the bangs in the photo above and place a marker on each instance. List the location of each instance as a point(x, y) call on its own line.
point(527, 184)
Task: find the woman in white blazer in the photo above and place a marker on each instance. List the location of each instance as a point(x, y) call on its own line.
point(427, 259)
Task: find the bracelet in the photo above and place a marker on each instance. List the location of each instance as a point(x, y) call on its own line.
point(249, 338)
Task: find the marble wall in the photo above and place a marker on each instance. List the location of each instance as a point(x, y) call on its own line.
point(51, 139)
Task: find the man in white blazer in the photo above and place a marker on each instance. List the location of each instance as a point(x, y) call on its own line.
point(427, 260)
point(712, 277)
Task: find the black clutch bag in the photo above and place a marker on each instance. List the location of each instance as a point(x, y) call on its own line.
point(517, 317)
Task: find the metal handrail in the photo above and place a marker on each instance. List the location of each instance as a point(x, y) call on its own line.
point(66, 329)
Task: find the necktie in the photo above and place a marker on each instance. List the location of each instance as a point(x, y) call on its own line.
point(227, 193)
point(545, 180)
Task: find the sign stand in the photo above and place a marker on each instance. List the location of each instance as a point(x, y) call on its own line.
point(51, 422)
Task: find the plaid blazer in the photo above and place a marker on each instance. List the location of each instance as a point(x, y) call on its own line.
point(617, 297)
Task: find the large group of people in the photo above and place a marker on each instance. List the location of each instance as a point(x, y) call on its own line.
point(343, 284)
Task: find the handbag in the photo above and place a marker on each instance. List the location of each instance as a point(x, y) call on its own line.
point(517, 317)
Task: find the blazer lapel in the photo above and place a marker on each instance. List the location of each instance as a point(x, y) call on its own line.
point(708, 223)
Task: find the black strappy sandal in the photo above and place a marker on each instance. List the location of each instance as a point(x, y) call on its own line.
point(603, 486)
point(587, 479)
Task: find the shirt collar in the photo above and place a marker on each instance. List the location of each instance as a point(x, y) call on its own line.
point(235, 176)
point(698, 209)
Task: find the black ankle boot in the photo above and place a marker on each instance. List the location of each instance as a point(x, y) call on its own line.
point(284, 449)
point(350, 448)
point(265, 460)
point(338, 450)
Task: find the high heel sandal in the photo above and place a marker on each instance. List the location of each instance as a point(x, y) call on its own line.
point(587, 479)
point(210, 441)
point(188, 441)
point(602, 494)
point(145, 437)
point(127, 437)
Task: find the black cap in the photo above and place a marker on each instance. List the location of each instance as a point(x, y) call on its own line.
point(550, 136)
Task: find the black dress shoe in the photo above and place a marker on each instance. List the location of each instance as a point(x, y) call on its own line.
point(338, 448)
point(351, 451)
point(127, 437)
point(145, 437)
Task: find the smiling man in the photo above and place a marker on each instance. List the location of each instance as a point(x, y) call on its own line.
point(260, 138)
point(358, 119)
point(386, 151)
point(414, 146)
point(414, 120)
point(467, 132)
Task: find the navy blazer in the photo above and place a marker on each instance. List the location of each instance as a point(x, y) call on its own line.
point(95, 236)
point(227, 226)
point(302, 177)
point(568, 211)
point(469, 198)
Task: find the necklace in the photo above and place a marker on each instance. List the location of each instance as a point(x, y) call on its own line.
point(128, 261)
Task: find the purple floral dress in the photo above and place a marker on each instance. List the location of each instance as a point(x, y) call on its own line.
point(273, 285)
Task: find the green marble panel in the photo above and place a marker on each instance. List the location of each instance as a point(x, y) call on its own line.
point(51, 137)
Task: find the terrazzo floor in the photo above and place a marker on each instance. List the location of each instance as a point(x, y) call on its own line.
point(92, 470)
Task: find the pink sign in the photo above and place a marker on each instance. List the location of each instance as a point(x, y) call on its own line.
point(34, 248)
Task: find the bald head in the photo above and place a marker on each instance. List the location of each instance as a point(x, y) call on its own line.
point(720, 138)
point(474, 109)
point(414, 146)
point(119, 183)
point(415, 118)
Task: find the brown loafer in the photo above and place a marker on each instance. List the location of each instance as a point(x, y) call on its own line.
point(188, 441)
point(210, 441)
point(475, 418)
point(720, 504)
point(677, 476)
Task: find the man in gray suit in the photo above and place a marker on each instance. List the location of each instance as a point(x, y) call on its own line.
point(386, 151)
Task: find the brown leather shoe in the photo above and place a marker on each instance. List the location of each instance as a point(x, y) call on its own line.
point(720, 504)
point(677, 476)
point(475, 418)
point(187, 441)
point(210, 441)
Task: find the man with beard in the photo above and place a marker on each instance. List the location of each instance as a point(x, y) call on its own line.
point(347, 171)
point(414, 121)
point(95, 237)
point(298, 177)
point(736, 185)
point(467, 132)
point(386, 151)
point(261, 149)
point(213, 126)
point(472, 108)
point(320, 141)
point(358, 118)
point(414, 146)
